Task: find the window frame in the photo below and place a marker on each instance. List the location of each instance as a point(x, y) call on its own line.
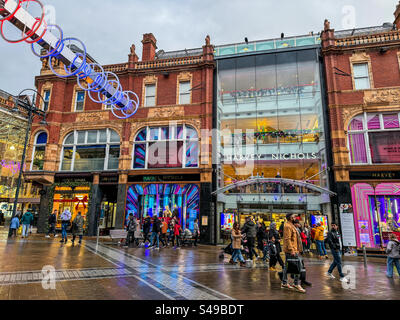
point(35, 145)
point(366, 132)
point(173, 134)
point(145, 95)
point(46, 101)
point(188, 93)
point(77, 92)
point(366, 64)
point(108, 143)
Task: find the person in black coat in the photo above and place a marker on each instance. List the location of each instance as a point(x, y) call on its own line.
point(261, 235)
point(146, 229)
point(250, 230)
point(273, 233)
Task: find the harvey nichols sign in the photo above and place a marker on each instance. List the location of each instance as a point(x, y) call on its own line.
point(278, 156)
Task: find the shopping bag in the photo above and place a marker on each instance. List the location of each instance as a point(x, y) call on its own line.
point(19, 231)
point(294, 265)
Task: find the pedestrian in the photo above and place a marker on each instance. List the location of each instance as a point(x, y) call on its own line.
point(156, 230)
point(303, 237)
point(393, 251)
point(52, 224)
point(261, 236)
point(273, 254)
point(312, 233)
point(250, 230)
point(334, 242)
point(130, 228)
point(265, 250)
point(26, 221)
point(319, 239)
point(196, 231)
point(77, 228)
point(292, 247)
point(236, 246)
point(1, 217)
point(273, 233)
point(164, 230)
point(303, 272)
point(176, 231)
point(14, 225)
point(65, 223)
point(146, 229)
point(307, 233)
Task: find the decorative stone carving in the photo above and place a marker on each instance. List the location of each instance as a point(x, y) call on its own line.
point(349, 113)
point(389, 96)
point(327, 25)
point(166, 112)
point(92, 117)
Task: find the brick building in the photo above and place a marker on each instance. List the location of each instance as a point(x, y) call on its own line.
point(363, 89)
point(90, 161)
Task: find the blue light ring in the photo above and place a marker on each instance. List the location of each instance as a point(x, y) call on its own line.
point(90, 86)
point(57, 44)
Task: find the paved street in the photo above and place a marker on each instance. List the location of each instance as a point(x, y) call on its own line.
point(109, 272)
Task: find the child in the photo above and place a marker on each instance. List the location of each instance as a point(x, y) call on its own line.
point(13, 227)
point(273, 252)
point(265, 250)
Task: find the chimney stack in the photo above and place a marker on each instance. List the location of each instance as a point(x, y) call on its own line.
point(149, 47)
point(397, 16)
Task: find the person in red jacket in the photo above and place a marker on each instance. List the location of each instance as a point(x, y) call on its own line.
point(177, 228)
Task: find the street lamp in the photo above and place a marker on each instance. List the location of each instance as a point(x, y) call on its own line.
point(23, 102)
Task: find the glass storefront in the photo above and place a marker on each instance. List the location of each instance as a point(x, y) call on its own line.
point(153, 199)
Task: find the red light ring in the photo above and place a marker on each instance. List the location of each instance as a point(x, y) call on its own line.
point(41, 36)
point(33, 31)
point(11, 15)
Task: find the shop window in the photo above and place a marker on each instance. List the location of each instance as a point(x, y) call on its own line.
point(91, 150)
point(361, 76)
point(39, 150)
point(80, 100)
point(184, 92)
point(150, 95)
point(46, 100)
point(374, 139)
point(166, 147)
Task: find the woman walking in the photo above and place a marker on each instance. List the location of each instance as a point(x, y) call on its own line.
point(393, 251)
point(236, 245)
point(77, 228)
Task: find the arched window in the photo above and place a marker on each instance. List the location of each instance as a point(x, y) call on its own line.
point(166, 147)
point(91, 150)
point(39, 150)
point(374, 138)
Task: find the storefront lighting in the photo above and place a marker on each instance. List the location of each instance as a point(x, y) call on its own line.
point(12, 148)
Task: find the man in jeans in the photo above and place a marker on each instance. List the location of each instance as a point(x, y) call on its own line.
point(250, 230)
point(292, 247)
point(65, 223)
point(131, 228)
point(334, 243)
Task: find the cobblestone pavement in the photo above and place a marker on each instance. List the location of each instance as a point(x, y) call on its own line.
point(109, 272)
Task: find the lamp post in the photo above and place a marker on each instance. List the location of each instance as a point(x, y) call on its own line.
point(23, 102)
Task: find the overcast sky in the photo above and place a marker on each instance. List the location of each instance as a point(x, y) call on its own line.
point(109, 27)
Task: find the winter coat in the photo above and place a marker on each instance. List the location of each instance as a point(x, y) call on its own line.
point(164, 227)
point(78, 223)
point(27, 218)
point(132, 224)
point(291, 239)
point(319, 233)
point(304, 238)
point(275, 233)
point(250, 229)
point(196, 229)
point(272, 249)
point(52, 218)
point(333, 240)
point(146, 226)
point(176, 229)
point(236, 239)
point(157, 226)
point(393, 249)
point(66, 216)
point(14, 223)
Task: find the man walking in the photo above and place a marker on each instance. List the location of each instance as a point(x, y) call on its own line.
point(26, 221)
point(131, 228)
point(156, 230)
point(292, 247)
point(196, 231)
point(65, 223)
point(146, 230)
point(52, 224)
point(335, 245)
point(250, 230)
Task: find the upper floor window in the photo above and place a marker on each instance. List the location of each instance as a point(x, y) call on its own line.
point(39, 150)
point(91, 150)
point(79, 101)
point(46, 100)
point(184, 92)
point(361, 76)
point(150, 95)
point(374, 138)
point(166, 147)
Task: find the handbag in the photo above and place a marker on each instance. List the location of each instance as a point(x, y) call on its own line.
point(294, 265)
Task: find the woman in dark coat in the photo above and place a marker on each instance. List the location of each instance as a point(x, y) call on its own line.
point(261, 235)
point(274, 233)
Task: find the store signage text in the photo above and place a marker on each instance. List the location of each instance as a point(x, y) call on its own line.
point(368, 175)
point(279, 156)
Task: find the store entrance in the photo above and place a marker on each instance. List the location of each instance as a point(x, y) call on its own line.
point(108, 209)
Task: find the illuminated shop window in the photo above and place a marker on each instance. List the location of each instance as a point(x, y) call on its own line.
point(39, 150)
point(166, 147)
point(91, 150)
point(373, 138)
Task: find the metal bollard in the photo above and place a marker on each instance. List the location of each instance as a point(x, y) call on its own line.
point(365, 255)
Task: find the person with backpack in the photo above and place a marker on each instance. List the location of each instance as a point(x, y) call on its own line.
point(52, 224)
point(334, 242)
point(131, 229)
point(393, 251)
point(273, 253)
point(320, 240)
point(26, 221)
point(77, 228)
